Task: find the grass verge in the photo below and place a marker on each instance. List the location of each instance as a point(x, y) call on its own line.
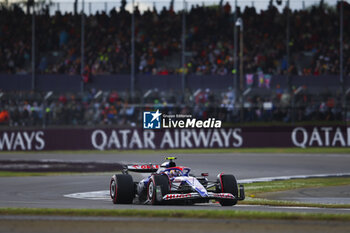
point(22, 174)
point(293, 150)
point(209, 214)
point(267, 202)
point(255, 190)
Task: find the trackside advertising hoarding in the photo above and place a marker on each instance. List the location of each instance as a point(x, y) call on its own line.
point(189, 138)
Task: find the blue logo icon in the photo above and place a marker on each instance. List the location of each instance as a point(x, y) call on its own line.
point(151, 120)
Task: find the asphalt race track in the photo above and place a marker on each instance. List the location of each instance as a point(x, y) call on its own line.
point(242, 165)
point(50, 191)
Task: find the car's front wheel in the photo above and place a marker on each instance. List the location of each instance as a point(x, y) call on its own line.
point(153, 194)
point(228, 184)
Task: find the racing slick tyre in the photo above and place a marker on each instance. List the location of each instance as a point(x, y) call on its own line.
point(228, 184)
point(157, 180)
point(122, 189)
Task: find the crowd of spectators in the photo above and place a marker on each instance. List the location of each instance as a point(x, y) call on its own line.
point(314, 32)
point(97, 108)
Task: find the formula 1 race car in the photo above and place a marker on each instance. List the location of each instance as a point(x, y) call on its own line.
point(172, 184)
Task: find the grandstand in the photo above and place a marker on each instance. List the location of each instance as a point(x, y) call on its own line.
point(104, 67)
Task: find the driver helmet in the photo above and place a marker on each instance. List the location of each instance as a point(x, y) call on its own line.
point(165, 164)
point(174, 173)
point(168, 164)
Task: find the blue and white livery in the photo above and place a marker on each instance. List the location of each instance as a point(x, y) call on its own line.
point(172, 184)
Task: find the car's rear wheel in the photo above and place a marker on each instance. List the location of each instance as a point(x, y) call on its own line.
point(161, 181)
point(121, 189)
point(228, 184)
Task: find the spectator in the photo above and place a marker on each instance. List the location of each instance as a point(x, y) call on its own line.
point(158, 41)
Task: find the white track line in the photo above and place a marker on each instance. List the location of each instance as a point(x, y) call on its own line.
point(266, 179)
point(95, 195)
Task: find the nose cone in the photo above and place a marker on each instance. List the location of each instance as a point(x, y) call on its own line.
point(197, 186)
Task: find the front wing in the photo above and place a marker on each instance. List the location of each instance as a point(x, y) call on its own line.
point(192, 196)
point(195, 195)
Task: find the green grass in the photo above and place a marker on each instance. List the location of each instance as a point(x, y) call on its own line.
point(209, 214)
point(283, 185)
point(21, 174)
point(255, 190)
point(319, 150)
point(267, 202)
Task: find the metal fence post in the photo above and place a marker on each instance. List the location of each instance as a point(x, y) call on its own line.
point(33, 47)
point(241, 75)
point(132, 81)
point(82, 47)
point(289, 81)
point(183, 60)
point(235, 81)
point(341, 57)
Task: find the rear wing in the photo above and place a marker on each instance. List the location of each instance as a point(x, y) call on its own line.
point(142, 168)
